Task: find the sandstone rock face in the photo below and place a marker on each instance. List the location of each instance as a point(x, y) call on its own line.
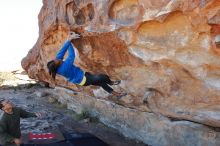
point(153, 129)
point(166, 52)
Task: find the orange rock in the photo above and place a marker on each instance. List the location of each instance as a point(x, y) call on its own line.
point(166, 52)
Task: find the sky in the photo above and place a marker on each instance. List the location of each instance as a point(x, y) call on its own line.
point(18, 31)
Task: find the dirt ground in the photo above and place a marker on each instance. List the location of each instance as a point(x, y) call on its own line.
point(56, 115)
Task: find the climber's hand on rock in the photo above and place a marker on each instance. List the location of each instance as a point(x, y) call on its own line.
point(73, 35)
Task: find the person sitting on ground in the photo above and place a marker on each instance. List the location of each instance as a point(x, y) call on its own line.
point(74, 74)
point(10, 133)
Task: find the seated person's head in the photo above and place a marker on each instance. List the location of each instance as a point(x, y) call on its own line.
point(6, 106)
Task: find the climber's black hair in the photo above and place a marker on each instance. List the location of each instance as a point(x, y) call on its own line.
point(52, 67)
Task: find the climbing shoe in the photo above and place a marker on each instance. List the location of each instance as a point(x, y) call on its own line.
point(116, 82)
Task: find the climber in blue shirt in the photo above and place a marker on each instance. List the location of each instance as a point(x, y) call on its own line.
point(74, 74)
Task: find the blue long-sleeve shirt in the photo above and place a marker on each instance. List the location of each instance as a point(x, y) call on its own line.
point(67, 69)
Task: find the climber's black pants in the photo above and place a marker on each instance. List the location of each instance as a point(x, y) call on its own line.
point(101, 80)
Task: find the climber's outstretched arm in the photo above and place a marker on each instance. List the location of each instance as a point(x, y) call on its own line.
point(63, 50)
point(68, 45)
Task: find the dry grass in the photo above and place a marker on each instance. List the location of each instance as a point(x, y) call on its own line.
point(4, 76)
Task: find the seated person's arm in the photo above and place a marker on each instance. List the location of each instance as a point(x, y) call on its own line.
point(25, 114)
